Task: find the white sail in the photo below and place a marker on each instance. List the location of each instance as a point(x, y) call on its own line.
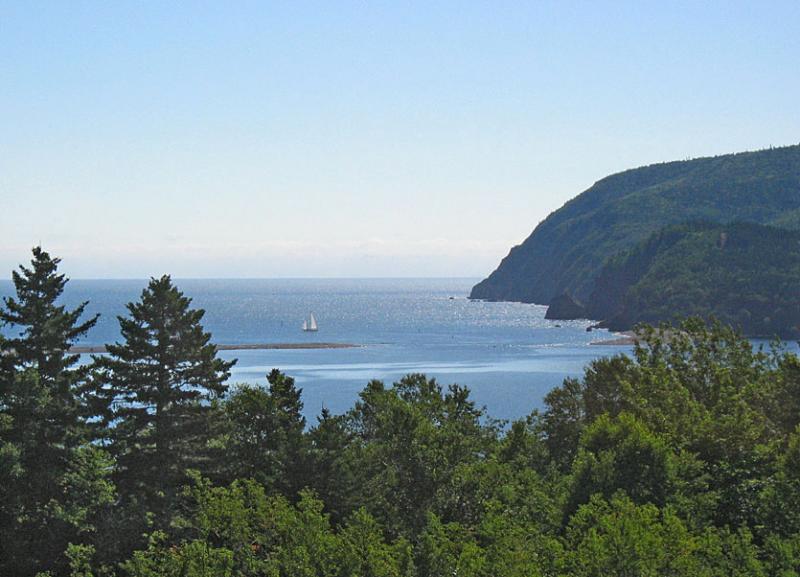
point(310, 325)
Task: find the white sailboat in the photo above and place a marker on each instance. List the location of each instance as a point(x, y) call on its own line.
point(310, 325)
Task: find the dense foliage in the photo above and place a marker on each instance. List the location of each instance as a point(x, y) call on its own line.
point(743, 274)
point(152, 397)
point(682, 459)
point(51, 479)
point(567, 250)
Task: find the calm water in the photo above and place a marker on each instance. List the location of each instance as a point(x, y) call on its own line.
point(507, 353)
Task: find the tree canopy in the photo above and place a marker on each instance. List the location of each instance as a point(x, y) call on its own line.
point(680, 458)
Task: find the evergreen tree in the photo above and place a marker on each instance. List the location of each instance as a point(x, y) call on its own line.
point(48, 330)
point(52, 481)
point(290, 425)
point(156, 389)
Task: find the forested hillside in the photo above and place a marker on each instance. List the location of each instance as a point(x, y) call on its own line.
point(566, 252)
point(743, 274)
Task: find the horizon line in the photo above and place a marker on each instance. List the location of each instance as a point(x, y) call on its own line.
point(183, 278)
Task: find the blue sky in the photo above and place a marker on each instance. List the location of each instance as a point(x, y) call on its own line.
point(259, 139)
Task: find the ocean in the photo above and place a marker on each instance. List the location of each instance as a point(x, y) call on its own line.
point(506, 353)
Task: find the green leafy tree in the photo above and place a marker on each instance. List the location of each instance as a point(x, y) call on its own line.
point(618, 538)
point(783, 400)
point(264, 438)
point(448, 549)
point(363, 551)
point(564, 421)
point(782, 499)
point(413, 437)
point(704, 388)
point(725, 551)
point(515, 547)
point(708, 395)
point(80, 560)
point(333, 462)
point(192, 559)
point(240, 530)
point(11, 499)
point(154, 390)
point(620, 454)
point(478, 489)
point(782, 555)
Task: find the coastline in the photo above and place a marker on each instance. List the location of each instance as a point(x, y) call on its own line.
point(81, 350)
point(623, 338)
point(632, 338)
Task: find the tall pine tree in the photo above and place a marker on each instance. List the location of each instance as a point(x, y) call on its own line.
point(52, 480)
point(157, 387)
point(47, 330)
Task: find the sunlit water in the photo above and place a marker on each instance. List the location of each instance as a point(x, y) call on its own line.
point(506, 353)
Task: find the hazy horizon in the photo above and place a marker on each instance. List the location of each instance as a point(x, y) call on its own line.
point(275, 278)
point(315, 141)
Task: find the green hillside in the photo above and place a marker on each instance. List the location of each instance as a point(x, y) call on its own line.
point(744, 274)
point(567, 251)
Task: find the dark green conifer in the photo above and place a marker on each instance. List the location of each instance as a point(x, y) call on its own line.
point(43, 436)
point(157, 387)
point(47, 330)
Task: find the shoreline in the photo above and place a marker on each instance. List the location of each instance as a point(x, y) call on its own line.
point(632, 337)
point(622, 338)
point(82, 350)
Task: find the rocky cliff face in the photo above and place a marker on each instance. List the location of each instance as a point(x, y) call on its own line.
point(565, 308)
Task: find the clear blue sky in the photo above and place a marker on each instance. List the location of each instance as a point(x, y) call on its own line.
point(259, 139)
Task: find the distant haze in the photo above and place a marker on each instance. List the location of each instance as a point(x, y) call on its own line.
point(261, 139)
